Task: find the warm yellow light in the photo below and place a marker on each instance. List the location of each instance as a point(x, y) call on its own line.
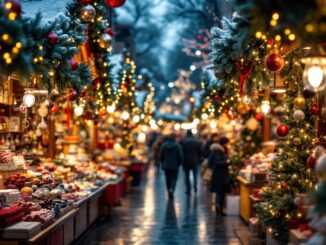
point(18, 45)
point(275, 16)
point(6, 55)
point(287, 31)
point(309, 28)
point(291, 37)
point(12, 16)
point(258, 34)
point(15, 50)
point(5, 37)
point(273, 22)
point(278, 38)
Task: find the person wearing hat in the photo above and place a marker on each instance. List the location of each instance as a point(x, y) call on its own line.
point(218, 161)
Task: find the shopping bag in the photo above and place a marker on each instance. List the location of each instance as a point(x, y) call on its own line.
point(208, 175)
point(232, 205)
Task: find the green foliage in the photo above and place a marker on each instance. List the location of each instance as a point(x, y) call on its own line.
point(290, 175)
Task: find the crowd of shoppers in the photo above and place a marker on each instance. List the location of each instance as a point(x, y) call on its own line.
point(169, 153)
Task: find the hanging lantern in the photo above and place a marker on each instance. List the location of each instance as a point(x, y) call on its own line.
point(78, 111)
point(87, 13)
point(265, 107)
point(314, 74)
point(29, 99)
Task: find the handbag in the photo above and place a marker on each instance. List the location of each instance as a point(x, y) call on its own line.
point(208, 175)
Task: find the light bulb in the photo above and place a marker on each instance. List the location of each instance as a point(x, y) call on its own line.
point(125, 115)
point(204, 116)
point(29, 99)
point(136, 118)
point(315, 76)
point(177, 126)
point(213, 124)
point(265, 107)
point(78, 111)
point(110, 108)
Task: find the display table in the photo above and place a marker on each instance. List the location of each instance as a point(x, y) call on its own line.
point(246, 204)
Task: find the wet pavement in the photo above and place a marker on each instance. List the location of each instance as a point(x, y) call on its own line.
point(146, 216)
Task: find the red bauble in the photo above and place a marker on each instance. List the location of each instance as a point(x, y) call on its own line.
point(311, 162)
point(315, 109)
point(274, 62)
point(55, 108)
point(82, 93)
point(53, 38)
point(115, 3)
point(282, 130)
point(73, 64)
point(13, 6)
point(110, 32)
point(259, 116)
point(73, 95)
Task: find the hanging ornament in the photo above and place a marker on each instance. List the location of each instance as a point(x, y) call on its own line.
point(299, 101)
point(14, 8)
point(82, 93)
point(308, 94)
point(102, 112)
point(43, 111)
point(42, 125)
point(311, 162)
point(115, 3)
point(105, 41)
point(73, 95)
point(110, 32)
point(315, 109)
point(298, 115)
point(252, 124)
point(22, 108)
point(73, 64)
point(321, 168)
point(245, 70)
point(243, 108)
point(274, 62)
point(53, 38)
point(29, 99)
point(265, 107)
point(55, 108)
point(259, 116)
point(297, 141)
point(49, 104)
point(87, 13)
point(282, 130)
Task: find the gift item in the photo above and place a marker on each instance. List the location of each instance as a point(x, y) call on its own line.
point(10, 215)
point(22, 230)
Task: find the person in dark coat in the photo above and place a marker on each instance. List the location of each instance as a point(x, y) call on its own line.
point(171, 158)
point(218, 161)
point(207, 151)
point(156, 151)
point(192, 153)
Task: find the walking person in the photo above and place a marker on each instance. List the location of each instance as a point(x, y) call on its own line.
point(156, 151)
point(218, 161)
point(192, 153)
point(171, 157)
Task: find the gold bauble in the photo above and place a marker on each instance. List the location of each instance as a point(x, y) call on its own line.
point(299, 101)
point(242, 108)
point(105, 41)
point(297, 141)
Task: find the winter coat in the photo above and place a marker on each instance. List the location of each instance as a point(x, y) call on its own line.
point(171, 155)
point(191, 152)
point(207, 148)
point(218, 162)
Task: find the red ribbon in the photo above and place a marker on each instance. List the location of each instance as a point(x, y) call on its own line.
point(245, 70)
point(68, 111)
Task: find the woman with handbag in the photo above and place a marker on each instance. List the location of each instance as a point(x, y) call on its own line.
point(218, 162)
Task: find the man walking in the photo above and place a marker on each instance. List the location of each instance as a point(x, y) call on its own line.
point(171, 158)
point(192, 153)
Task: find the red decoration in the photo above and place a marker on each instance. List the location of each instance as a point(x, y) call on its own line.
point(13, 6)
point(308, 94)
point(55, 108)
point(115, 3)
point(315, 109)
point(50, 104)
point(73, 64)
point(90, 116)
point(311, 162)
point(53, 38)
point(82, 93)
point(259, 116)
point(274, 62)
point(275, 150)
point(84, 2)
point(22, 108)
point(282, 130)
point(110, 32)
point(245, 70)
point(73, 95)
point(96, 82)
point(270, 42)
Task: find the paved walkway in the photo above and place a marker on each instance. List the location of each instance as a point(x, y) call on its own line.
point(147, 217)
